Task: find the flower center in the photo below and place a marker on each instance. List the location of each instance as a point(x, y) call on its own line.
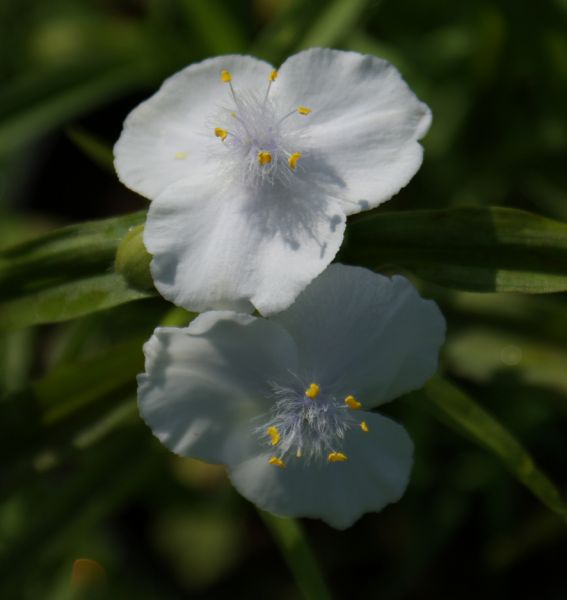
point(309, 425)
point(260, 142)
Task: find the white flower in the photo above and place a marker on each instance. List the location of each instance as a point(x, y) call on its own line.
point(284, 403)
point(252, 172)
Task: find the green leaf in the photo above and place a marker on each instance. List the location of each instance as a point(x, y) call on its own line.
point(461, 412)
point(96, 149)
point(68, 301)
point(289, 536)
point(23, 120)
point(334, 23)
point(61, 255)
point(475, 249)
point(65, 274)
point(481, 354)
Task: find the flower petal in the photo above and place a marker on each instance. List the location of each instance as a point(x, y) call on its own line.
point(375, 474)
point(204, 384)
point(216, 247)
point(365, 120)
point(168, 137)
point(384, 339)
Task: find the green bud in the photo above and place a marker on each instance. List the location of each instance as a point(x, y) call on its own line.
point(133, 261)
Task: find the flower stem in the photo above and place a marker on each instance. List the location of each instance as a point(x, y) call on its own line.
point(289, 536)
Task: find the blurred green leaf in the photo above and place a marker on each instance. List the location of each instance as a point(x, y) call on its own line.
point(334, 23)
point(463, 413)
point(289, 537)
point(480, 354)
point(96, 149)
point(475, 249)
point(214, 23)
point(28, 110)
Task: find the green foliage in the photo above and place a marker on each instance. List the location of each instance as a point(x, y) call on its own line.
point(476, 249)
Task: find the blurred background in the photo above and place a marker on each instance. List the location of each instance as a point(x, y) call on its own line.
point(83, 477)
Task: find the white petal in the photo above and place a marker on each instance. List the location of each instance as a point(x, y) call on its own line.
point(205, 384)
point(375, 474)
point(365, 121)
point(215, 247)
point(168, 137)
point(365, 334)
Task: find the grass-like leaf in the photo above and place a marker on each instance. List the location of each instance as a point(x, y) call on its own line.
point(460, 411)
point(475, 249)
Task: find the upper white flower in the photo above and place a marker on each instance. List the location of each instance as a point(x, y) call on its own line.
point(284, 403)
point(253, 171)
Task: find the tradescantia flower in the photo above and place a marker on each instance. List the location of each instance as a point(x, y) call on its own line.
point(285, 402)
point(253, 171)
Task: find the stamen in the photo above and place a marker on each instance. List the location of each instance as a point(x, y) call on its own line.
point(180, 155)
point(312, 391)
point(337, 457)
point(221, 133)
point(225, 76)
point(277, 462)
point(364, 427)
point(292, 160)
point(274, 435)
point(352, 402)
point(303, 110)
point(264, 157)
point(273, 75)
point(299, 453)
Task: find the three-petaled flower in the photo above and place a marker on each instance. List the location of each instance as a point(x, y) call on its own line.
point(253, 171)
point(285, 402)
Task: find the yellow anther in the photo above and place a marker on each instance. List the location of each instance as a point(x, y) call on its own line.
point(273, 75)
point(364, 427)
point(337, 457)
point(277, 462)
point(221, 133)
point(274, 435)
point(180, 155)
point(303, 110)
point(292, 160)
point(298, 453)
point(233, 115)
point(312, 391)
point(352, 402)
point(225, 76)
point(264, 157)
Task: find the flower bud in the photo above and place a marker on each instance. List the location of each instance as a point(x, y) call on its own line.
point(133, 261)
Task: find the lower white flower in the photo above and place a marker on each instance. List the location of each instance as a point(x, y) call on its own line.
point(285, 403)
point(252, 172)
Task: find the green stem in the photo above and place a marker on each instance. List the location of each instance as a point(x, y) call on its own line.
point(289, 536)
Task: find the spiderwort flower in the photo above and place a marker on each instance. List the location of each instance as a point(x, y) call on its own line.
point(252, 171)
point(285, 402)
